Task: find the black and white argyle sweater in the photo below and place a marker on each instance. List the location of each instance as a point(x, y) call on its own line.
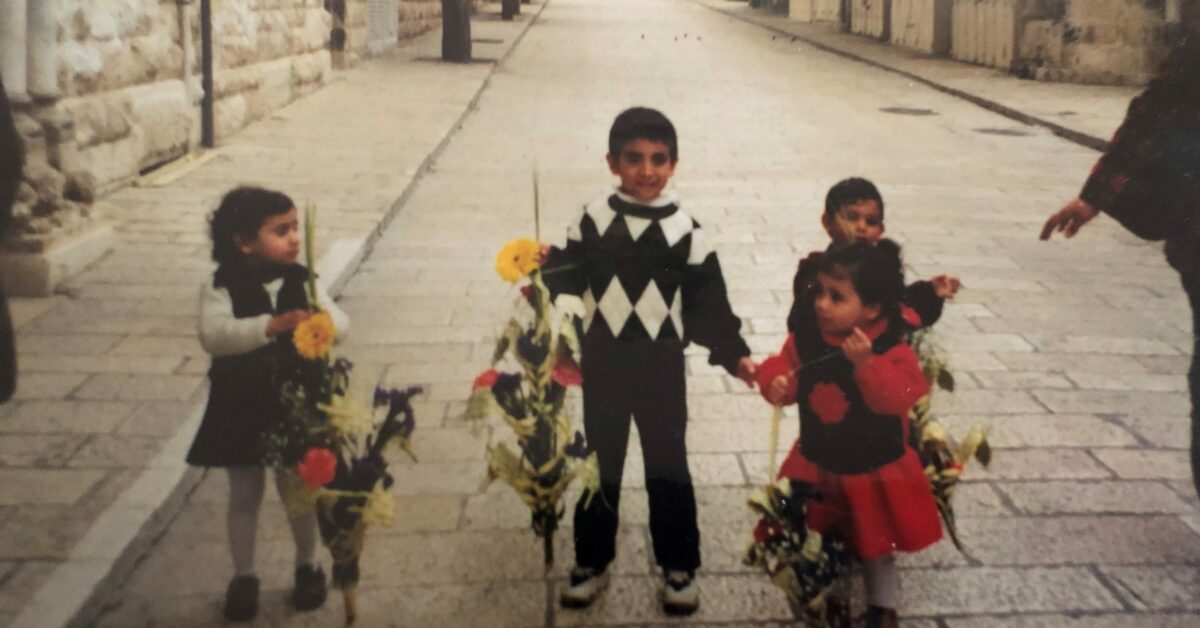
point(646, 273)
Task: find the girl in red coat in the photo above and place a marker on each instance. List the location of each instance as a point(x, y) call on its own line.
point(855, 377)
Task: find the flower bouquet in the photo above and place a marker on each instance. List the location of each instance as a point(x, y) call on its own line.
point(330, 446)
point(538, 347)
point(943, 457)
point(807, 565)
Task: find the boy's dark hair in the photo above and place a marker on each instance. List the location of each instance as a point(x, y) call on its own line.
point(241, 212)
point(849, 191)
point(875, 271)
point(642, 123)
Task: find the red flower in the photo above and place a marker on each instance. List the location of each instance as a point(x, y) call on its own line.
point(829, 402)
point(910, 316)
point(566, 372)
point(485, 379)
point(765, 531)
point(318, 468)
point(526, 290)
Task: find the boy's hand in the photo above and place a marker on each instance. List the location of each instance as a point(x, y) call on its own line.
point(286, 321)
point(777, 390)
point(543, 253)
point(746, 370)
point(1069, 219)
point(857, 348)
point(946, 286)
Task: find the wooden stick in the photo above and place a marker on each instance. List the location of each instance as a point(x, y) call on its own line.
point(537, 210)
point(350, 600)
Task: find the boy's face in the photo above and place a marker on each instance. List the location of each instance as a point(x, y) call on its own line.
point(644, 167)
point(860, 221)
point(277, 241)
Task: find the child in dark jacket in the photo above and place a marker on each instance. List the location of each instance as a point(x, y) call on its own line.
point(650, 283)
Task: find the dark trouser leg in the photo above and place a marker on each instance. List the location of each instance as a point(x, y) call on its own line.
point(1191, 284)
point(660, 411)
point(1184, 255)
point(606, 426)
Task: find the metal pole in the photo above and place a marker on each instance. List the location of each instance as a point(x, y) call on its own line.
point(207, 135)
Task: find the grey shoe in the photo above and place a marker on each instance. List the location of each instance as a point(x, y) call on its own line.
point(585, 585)
point(680, 595)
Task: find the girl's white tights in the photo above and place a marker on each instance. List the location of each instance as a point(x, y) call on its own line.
point(882, 581)
point(246, 486)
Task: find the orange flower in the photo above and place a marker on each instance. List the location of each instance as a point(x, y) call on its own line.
point(314, 336)
point(318, 467)
point(518, 258)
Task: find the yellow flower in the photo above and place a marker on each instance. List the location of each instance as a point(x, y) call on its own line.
point(314, 336)
point(518, 258)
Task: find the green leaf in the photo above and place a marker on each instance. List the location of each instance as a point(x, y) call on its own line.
point(984, 453)
point(479, 405)
point(945, 380)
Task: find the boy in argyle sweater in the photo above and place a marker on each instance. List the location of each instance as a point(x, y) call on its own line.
point(650, 283)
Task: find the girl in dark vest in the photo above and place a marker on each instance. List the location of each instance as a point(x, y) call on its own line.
point(247, 312)
point(855, 377)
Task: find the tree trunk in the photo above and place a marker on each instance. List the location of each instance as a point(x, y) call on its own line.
point(456, 31)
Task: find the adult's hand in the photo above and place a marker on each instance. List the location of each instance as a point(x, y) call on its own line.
point(1069, 219)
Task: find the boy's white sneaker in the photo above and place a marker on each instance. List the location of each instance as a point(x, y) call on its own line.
point(680, 595)
point(583, 587)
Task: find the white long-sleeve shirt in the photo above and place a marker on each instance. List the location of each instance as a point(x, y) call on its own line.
point(221, 334)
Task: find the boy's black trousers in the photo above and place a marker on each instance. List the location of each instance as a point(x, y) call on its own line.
point(644, 380)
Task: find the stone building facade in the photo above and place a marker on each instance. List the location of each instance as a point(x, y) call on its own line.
point(1119, 42)
point(105, 90)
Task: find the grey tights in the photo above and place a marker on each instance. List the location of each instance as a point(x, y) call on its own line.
point(246, 487)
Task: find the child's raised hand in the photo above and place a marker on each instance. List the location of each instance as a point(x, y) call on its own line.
point(857, 348)
point(747, 371)
point(946, 286)
point(286, 321)
point(777, 391)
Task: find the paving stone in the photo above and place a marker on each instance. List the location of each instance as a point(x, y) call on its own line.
point(1171, 587)
point(1078, 540)
point(1125, 402)
point(1166, 364)
point(66, 416)
point(38, 450)
point(1114, 620)
point(1144, 464)
point(1161, 431)
point(980, 590)
point(447, 445)
point(1101, 344)
point(26, 579)
point(1021, 380)
point(736, 436)
point(119, 387)
point(1055, 497)
point(1152, 383)
point(115, 451)
point(431, 478)
point(37, 386)
point(1077, 363)
point(1040, 464)
point(987, 402)
point(1043, 430)
point(43, 532)
point(99, 364)
point(157, 418)
point(983, 342)
point(45, 486)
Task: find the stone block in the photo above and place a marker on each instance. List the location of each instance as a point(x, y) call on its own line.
point(46, 486)
point(1113, 620)
point(1147, 464)
point(1041, 464)
point(1064, 497)
point(32, 386)
point(1118, 402)
point(1159, 587)
point(122, 387)
point(1045, 430)
point(980, 590)
point(38, 450)
point(1160, 430)
point(1078, 540)
point(116, 451)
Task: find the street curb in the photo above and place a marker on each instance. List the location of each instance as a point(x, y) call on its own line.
point(78, 589)
point(1078, 137)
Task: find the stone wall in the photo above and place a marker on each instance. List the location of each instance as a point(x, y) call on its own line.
point(1092, 41)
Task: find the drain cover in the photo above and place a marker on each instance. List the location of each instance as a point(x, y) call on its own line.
point(909, 111)
point(1005, 132)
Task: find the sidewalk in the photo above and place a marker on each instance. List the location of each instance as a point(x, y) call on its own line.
point(1085, 114)
point(112, 377)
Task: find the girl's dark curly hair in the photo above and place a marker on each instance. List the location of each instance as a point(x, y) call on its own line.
point(241, 213)
point(875, 271)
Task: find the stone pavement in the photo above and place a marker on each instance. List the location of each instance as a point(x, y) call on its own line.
point(111, 372)
point(1072, 352)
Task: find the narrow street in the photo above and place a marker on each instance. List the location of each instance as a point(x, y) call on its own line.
point(1072, 352)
